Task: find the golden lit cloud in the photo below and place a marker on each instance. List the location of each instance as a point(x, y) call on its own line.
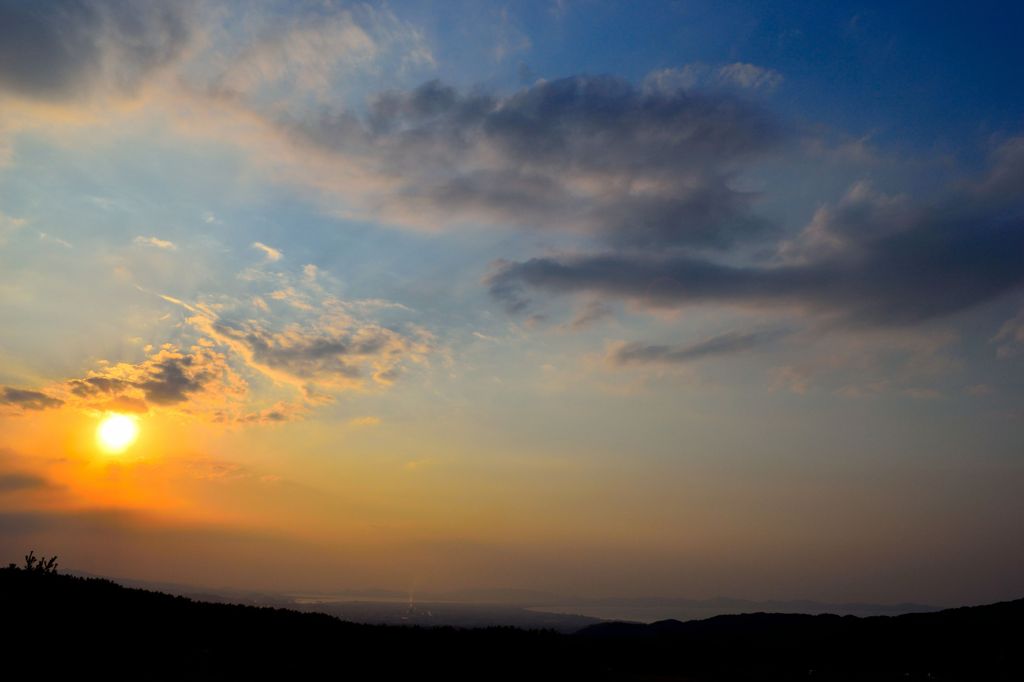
point(196, 381)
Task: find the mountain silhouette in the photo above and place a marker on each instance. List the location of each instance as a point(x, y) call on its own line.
point(68, 627)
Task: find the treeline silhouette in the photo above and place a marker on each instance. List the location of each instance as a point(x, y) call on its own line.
point(68, 627)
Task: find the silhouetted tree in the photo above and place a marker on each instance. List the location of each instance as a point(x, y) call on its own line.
point(34, 564)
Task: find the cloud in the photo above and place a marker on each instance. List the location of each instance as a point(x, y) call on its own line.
point(333, 350)
point(173, 376)
point(729, 343)
point(27, 400)
point(286, 327)
point(155, 242)
point(50, 239)
point(63, 49)
point(198, 380)
point(97, 385)
point(593, 154)
point(303, 54)
point(310, 53)
point(272, 255)
point(317, 340)
point(871, 259)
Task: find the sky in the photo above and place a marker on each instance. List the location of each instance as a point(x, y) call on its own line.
point(590, 297)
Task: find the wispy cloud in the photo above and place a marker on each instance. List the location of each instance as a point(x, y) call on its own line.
point(270, 253)
point(739, 75)
point(729, 343)
point(50, 239)
point(155, 242)
point(318, 340)
point(749, 76)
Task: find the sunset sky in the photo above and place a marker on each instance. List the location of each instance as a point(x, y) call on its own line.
point(602, 298)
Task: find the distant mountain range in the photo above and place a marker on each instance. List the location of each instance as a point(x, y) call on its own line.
point(66, 627)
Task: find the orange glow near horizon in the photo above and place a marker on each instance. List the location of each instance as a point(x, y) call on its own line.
point(116, 433)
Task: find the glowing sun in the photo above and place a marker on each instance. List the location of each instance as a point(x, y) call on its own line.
point(116, 432)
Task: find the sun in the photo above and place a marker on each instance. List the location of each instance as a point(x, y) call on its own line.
point(116, 432)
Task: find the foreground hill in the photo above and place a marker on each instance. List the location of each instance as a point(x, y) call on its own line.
point(63, 626)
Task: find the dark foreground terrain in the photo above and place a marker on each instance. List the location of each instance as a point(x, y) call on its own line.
point(65, 627)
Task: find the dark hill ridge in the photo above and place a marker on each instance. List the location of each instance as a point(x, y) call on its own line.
point(67, 627)
point(1008, 612)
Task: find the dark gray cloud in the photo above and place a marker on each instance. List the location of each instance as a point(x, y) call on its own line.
point(728, 343)
point(27, 400)
point(871, 259)
point(632, 166)
point(57, 49)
